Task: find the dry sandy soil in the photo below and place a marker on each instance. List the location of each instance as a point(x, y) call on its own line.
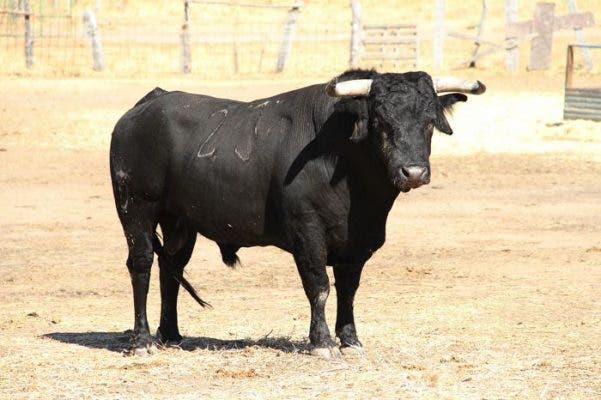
point(489, 284)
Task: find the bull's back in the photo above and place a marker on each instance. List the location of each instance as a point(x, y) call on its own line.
point(227, 167)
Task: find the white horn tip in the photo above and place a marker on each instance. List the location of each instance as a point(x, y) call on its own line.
point(452, 84)
point(478, 88)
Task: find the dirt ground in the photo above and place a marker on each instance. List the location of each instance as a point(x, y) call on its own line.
point(489, 284)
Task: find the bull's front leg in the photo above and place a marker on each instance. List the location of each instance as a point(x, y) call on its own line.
point(311, 263)
point(347, 279)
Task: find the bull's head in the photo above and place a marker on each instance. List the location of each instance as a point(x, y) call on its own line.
point(395, 114)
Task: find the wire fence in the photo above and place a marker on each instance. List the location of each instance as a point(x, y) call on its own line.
point(242, 38)
point(224, 39)
point(238, 44)
point(55, 44)
point(61, 45)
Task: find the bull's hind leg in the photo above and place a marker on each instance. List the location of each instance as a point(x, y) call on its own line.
point(179, 243)
point(139, 223)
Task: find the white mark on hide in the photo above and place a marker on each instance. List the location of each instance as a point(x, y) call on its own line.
point(322, 297)
point(123, 190)
point(262, 104)
point(241, 156)
point(210, 153)
point(246, 157)
point(204, 155)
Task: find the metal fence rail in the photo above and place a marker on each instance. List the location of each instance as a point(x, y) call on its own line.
point(391, 45)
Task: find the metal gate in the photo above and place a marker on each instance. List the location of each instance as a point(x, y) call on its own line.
point(390, 46)
point(580, 102)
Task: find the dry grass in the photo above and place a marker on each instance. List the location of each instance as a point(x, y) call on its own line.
point(487, 286)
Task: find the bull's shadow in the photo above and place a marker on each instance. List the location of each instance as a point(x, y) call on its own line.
point(120, 342)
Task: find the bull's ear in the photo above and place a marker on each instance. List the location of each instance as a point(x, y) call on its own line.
point(447, 101)
point(356, 110)
point(360, 130)
point(442, 124)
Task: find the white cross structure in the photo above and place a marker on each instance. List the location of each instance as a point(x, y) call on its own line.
point(542, 27)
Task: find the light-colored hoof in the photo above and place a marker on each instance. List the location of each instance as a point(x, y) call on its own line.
point(142, 351)
point(327, 353)
point(352, 352)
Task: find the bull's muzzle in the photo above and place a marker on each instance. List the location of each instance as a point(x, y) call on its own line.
point(416, 176)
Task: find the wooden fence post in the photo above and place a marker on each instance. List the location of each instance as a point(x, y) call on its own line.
point(511, 16)
point(289, 29)
point(185, 40)
point(28, 34)
point(356, 33)
point(89, 20)
point(542, 24)
point(472, 63)
point(586, 56)
point(439, 32)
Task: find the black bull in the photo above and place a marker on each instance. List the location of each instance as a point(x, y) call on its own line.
point(312, 174)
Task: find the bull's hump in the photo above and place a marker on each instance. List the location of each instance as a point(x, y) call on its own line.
point(154, 93)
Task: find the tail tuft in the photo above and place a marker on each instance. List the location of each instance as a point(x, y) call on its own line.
point(158, 249)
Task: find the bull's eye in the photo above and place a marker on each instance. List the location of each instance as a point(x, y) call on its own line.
point(429, 126)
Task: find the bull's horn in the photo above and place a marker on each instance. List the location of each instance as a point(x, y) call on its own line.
point(356, 87)
point(452, 84)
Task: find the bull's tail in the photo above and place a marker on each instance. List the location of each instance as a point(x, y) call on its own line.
point(158, 249)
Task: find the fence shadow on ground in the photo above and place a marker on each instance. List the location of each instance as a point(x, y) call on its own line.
point(120, 342)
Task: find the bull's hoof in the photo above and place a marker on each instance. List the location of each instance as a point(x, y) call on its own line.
point(168, 341)
point(142, 351)
point(353, 352)
point(327, 353)
point(140, 345)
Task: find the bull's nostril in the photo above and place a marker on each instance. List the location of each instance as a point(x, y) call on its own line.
point(416, 175)
point(414, 172)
